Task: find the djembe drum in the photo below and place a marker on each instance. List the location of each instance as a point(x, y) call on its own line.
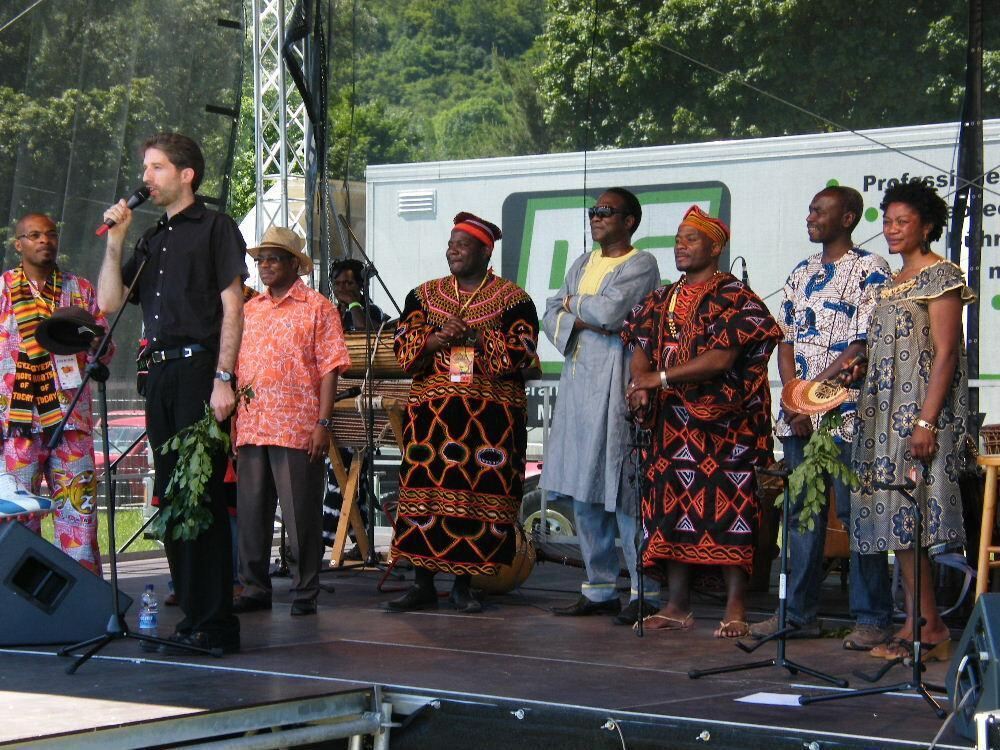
point(513, 575)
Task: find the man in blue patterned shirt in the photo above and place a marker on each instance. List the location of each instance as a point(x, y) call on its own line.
point(827, 304)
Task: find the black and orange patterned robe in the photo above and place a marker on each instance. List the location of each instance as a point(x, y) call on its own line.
point(463, 465)
point(699, 505)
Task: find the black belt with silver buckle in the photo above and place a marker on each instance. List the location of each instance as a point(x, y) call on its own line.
point(182, 353)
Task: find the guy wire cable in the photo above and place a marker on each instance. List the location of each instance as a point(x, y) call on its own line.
point(350, 127)
point(20, 15)
point(590, 116)
point(739, 78)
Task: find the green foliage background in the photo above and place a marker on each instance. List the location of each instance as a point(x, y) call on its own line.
point(419, 80)
point(455, 79)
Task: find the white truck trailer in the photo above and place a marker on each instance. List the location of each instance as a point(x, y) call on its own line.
point(761, 187)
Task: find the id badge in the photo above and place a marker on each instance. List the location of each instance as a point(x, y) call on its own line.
point(68, 371)
point(462, 362)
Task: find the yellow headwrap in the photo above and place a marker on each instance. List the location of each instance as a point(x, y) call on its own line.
point(715, 229)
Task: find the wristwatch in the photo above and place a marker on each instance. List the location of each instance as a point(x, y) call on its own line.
point(224, 376)
point(328, 423)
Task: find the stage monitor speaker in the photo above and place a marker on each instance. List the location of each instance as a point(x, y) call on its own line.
point(45, 595)
point(974, 675)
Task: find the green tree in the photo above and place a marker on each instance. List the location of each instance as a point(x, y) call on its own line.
point(449, 68)
point(616, 74)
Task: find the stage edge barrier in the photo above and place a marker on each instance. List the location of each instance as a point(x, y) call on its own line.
point(287, 723)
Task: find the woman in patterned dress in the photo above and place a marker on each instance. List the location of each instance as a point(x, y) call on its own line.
point(914, 406)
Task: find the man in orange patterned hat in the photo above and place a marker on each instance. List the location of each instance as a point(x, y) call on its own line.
point(699, 381)
point(466, 339)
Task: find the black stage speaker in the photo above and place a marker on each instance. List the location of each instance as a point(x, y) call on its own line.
point(974, 675)
point(45, 595)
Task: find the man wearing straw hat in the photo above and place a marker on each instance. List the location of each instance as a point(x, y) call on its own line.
point(827, 303)
point(293, 350)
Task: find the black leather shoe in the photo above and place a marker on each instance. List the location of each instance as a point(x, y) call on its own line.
point(584, 606)
point(415, 599)
point(464, 601)
point(244, 604)
point(630, 614)
point(304, 607)
point(199, 639)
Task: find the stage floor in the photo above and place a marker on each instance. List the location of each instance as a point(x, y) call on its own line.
point(516, 651)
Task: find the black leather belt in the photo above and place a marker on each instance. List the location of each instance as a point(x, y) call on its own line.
point(182, 353)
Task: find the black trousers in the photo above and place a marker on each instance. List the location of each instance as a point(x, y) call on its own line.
point(176, 394)
point(267, 474)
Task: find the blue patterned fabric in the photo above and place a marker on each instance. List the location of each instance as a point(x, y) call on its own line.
point(825, 308)
point(900, 355)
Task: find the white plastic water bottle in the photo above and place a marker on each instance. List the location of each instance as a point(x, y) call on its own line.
point(149, 614)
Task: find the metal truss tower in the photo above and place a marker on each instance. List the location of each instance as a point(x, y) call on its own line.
point(280, 124)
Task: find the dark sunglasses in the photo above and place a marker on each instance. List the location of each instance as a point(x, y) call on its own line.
point(605, 212)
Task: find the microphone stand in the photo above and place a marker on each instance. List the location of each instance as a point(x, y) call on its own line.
point(116, 629)
point(640, 440)
point(368, 395)
point(784, 629)
point(916, 682)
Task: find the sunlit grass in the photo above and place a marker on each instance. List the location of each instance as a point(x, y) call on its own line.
point(127, 522)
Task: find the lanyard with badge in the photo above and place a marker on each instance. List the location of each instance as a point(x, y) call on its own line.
point(66, 366)
point(462, 360)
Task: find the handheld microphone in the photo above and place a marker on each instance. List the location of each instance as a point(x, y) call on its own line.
point(742, 260)
point(136, 199)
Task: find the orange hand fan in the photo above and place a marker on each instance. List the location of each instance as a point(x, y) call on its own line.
point(818, 396)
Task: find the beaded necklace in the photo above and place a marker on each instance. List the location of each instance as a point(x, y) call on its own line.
point(468, 302)
point(672, 304)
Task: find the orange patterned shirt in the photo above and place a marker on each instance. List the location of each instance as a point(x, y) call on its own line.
point(288, 346)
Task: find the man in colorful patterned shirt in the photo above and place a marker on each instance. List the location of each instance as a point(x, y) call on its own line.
point(293, 350)
point(827, 304)
point(36, 388)
point(700, 348)
point(466, 339)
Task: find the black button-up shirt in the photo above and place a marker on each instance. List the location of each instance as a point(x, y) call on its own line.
point(193, 257)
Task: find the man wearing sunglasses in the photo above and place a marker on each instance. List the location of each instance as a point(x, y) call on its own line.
point(36, 388)
point(586, 451)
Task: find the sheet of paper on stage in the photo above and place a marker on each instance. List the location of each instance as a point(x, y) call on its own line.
point(770, 699)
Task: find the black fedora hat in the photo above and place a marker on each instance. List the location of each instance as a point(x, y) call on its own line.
point(69, 330)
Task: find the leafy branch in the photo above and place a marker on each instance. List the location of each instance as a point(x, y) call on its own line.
point(183, 509)
point(821, 460)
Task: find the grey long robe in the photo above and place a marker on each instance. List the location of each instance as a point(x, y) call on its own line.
point(585, 454)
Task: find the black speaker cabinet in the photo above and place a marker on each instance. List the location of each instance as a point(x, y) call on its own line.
point(974, 676)
point(47, 597)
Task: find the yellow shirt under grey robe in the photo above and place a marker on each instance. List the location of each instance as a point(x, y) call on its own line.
point(586, 450)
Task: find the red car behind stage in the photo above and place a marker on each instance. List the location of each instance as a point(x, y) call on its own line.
point(124, 427)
